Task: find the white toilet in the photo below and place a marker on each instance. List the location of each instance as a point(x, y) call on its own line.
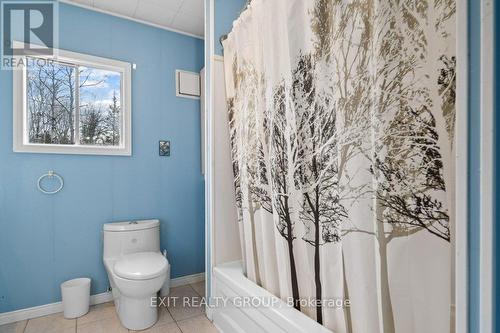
point(136, 270)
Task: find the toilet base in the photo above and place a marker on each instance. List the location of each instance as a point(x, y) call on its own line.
point(133, 298)
point(136, 314)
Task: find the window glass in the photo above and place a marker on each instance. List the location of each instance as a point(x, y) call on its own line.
point(50, 98)
point(53, 113)
point(100, 107)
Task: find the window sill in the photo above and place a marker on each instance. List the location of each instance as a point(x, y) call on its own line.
point(72, 150)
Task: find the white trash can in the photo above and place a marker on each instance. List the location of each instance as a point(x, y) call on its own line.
point(75, 297)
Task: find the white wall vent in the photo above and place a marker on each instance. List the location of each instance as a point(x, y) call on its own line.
point(187, 84)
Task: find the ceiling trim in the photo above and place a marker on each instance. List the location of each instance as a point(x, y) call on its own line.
point(103, 11)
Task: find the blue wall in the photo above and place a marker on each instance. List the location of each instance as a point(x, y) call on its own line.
point(474, 160)
point(45, 240)
point(226, 11)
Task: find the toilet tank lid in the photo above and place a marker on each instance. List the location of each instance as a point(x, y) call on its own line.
point(131, 225)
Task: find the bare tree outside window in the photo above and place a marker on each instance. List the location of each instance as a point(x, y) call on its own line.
point(55, 116)
point(50, 102)
point(99, 107)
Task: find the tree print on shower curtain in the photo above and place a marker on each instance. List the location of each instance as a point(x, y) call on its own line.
point(316, 176)
point(250, 175)
point(342, 142)
point(414, 96)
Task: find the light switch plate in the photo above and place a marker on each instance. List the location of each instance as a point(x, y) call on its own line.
point(164, 148)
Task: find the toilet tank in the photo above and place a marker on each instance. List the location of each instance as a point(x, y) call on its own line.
point(127, 237)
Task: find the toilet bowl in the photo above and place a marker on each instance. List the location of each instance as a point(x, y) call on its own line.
point(136, 270)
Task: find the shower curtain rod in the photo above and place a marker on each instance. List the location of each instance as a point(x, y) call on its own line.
point(224, 37)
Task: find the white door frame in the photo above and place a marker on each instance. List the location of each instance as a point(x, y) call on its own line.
point(209, 143)
point(486, 217)
point(461, 172)
point(486, 174)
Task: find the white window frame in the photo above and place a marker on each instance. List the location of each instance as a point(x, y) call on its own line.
point(21, 142)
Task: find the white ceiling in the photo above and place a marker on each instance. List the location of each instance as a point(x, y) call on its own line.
point(181, 15)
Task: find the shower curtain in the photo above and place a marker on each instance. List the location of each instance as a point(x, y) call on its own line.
point(342, 119)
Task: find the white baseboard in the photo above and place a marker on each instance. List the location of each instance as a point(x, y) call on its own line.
point(101, 298)
point(48, 309)
point(188, 279)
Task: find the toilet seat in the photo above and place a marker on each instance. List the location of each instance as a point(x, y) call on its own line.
point(141, 266)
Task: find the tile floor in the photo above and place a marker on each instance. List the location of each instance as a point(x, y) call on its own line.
point(102, 318)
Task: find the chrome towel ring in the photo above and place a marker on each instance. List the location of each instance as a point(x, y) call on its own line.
point(50, 174)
